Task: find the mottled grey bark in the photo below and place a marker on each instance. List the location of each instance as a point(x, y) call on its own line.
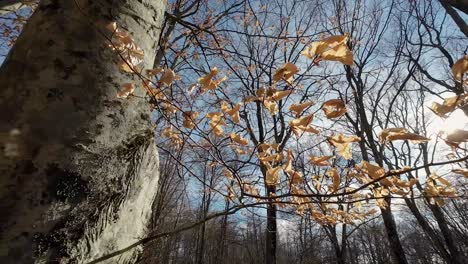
point(85, 173)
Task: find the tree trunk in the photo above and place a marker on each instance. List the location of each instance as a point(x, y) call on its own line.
point(85, 169)
point(271, 232)
point(392, 234)
point(430, 232)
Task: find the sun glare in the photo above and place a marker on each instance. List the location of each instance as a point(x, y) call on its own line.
point(456, 120)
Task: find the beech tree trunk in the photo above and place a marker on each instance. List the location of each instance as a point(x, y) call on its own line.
point(79, 167)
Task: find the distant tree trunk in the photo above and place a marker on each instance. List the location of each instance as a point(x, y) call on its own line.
point(85, 167)
point(271, 232)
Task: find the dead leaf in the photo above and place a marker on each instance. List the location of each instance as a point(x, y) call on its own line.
point(126, 90)
point(286, 72)
point(333, 173)
point(459, 68)
point(189, 119)
point(320, 161)
point(334, 108)
point(208, 82)
point(233, 112)
point(333, 48)
point(168, 77)
point(392, 134)
point(299, 108)
point(343, 144)
point(273, 175)
point(238, 139)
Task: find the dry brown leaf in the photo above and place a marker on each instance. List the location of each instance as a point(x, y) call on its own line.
point(334, 108)
point(208, 82)
point(343, 144)
point(238, 139)
point(286, 72)
point(374, 171)
point(461, 171)
point(279, 95)
point(320, 161)
point(299, 108)
point(333, 173)
point(392, 134)
point(233, 112)
point(273, 175)
point(296, 176)
point(168, 77)
point(271, 106)
point(449, 105)
point(299, 125)
point(459, 68)
point(189, 119)
point(333, 48)
point(216, 123)
point(126, 90)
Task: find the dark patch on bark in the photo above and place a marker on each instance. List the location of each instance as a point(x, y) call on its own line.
point(65, 185)
point(51, 42)
point(51, 5)
point(66, 70)
point(78, 53)
point(54, 94)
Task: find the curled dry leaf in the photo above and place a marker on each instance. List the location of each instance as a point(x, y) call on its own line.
point(189, 119)
point(299, 125)
point(279, 95)
point(399, 133)
point(459, 68)
point(208, 82)
point(374, 171)
point(168, 77)
point(286, 72)
point(126, 90)
point(273, 175)
point(449, 105)
point(288, 165)
point(271, 106)
point(296, 176)
point(123, 44)
point(265, 157)
point(333, 173)
point(299, 108)
point(169, 108)
point(332, 48)
point(238, 139)
point(342, 144)
point(153, 72)
point(461, 171)
point(320, 161)
point(263, 147)
point(172, 135)
point(216, 123)
point(334, 108)
point(233, 112)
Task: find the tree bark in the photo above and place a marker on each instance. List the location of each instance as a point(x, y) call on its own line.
point(84, 171)
point(461, 5)
point(271, 231)
point(392, 234)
